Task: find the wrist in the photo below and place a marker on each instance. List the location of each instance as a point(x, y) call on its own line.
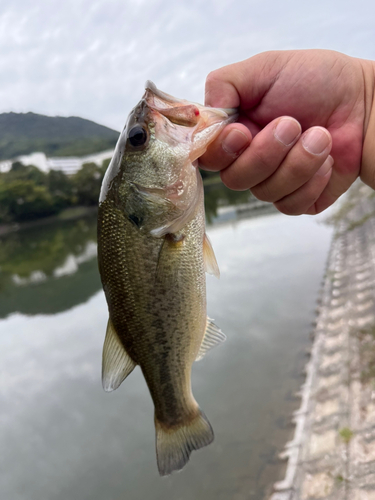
point(368, 153)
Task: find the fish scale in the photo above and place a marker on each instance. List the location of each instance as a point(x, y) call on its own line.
point(153, 254)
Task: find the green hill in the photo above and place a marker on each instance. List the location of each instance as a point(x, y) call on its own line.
point(25, 133)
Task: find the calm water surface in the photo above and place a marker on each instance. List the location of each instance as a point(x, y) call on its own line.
point(63, 438)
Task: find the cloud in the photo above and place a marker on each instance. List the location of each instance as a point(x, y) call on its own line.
point(91, 58)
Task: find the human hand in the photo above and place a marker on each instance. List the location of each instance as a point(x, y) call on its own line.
point(303, 120)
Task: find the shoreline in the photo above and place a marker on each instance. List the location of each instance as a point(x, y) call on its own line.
point(66, 215)
point(225, 213)
point(332, 453)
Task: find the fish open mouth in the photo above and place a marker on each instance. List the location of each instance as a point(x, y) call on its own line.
point(181, 111)
point(177, 111)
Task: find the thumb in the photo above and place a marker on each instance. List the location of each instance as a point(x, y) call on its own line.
point(244, 83)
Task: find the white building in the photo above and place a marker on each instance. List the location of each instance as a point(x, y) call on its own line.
point(68, 164)
point(5, 166)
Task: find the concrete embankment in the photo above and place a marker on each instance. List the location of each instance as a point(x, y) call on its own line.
point(332, 454)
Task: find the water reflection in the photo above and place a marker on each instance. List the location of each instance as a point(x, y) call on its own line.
point(52, 268)
point(63, 437)
point(48, 269)
point(218, 196)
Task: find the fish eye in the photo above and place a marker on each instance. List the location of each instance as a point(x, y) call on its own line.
point(137, 136)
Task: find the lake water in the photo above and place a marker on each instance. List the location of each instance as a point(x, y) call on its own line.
point(63, 438)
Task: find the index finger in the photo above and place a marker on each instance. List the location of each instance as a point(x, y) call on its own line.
point(220, 92)
point(244, 83)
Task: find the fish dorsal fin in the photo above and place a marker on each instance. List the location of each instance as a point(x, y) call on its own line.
point(210, 262)
point(212, 337)
point(117, 364)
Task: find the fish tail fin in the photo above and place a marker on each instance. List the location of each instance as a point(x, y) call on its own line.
point(175, 444)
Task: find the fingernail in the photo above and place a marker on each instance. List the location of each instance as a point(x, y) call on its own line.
point(326, 167)
point(235, 142)
point(287, 131)
point(316, 140)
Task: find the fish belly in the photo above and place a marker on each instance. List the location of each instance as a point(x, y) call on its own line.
point(155, 289)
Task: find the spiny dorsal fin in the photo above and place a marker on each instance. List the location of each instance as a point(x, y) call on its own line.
point(212, 337)
point(210, 262)
point(117, 364)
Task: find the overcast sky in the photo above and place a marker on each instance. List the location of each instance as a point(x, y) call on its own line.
point(91, 58)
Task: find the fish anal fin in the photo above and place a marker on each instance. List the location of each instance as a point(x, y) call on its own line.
point(210, 262)
point(116, 364)
point(212, 337)
point(174, 445)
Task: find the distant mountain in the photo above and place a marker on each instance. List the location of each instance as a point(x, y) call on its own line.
point(25, 133)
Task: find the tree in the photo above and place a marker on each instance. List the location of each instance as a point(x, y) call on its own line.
point(22, 200)
point(27, 172)
point(87, 183)
point(105, 165)
point(60, 187)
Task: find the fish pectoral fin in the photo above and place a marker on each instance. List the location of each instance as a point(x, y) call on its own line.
point(154, 196)
point(172, 226)
point(116, 364)
point(212, 337)
point(210, 262)
point(156, 201)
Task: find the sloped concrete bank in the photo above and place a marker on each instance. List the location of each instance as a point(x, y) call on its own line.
point(332, 454)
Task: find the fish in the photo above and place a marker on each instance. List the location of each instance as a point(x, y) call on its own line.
point(153, 254)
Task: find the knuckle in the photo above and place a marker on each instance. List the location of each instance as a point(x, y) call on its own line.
point(205, 165)
point(208, 161)
point(231, 180)
point(288, 209)
point(210, 164)
point(263, 192)
point(319, 206)
point(299, 173)
point(261, 160)
point(263, 163)
point(313, 210)
point(301, 170)
point(212, 78)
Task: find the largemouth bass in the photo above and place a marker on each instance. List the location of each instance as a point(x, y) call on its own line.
point(153, 254)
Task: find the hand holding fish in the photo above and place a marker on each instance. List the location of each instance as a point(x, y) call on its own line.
point(306, 128)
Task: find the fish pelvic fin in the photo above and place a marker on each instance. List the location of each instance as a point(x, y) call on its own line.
point(175, 444)
point(116, 363)
point(213, 336)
